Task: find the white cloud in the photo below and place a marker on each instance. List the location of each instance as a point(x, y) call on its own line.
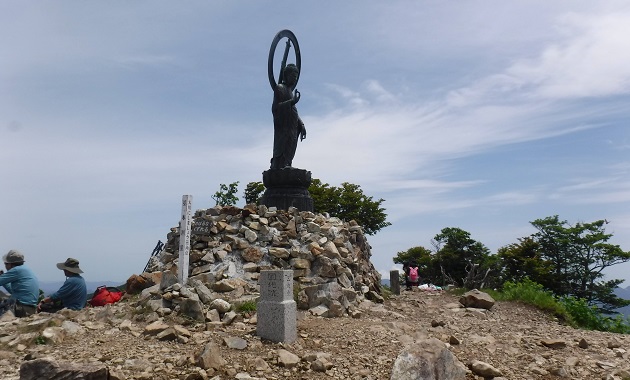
point(593, 61)
point(426, 106)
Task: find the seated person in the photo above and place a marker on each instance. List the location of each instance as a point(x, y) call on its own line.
point(21, 284)
point(73, 292)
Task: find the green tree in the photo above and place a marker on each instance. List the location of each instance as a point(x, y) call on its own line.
point(461, 259)
point(416, 254)
point(523, 260)
point(578, 255)
point(427, 265)
point(226, 196)
point(253, 192)
point(348, 202)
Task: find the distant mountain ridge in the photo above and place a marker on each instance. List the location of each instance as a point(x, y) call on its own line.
point(625, 294)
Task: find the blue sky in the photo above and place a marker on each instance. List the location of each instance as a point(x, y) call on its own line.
point(482, 115)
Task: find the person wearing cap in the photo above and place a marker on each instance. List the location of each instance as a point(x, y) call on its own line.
point(21, 284)
point(73, 292)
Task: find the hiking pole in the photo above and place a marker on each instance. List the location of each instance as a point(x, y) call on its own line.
point(156, 251)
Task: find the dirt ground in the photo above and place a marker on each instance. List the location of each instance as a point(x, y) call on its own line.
point(509, 337)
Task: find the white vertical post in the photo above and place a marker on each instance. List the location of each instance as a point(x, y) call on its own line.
point(184, 238)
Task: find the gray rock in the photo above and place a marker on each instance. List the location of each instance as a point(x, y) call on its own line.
point(210, 357)
point(250, 235)
point(287, 359)
point(192, 308)
point(213, 315)
point(477, 299)
point(188, 293)
point(484, 369)
point(154, 305)
point(202, 269)
point(280, 253)
point(221, 305)
point(320, 311)
point(428, 359)
point(344, 280)
point(229, 318)
point(54, 334)
point(205, 295)
point(583, 343)
point(299, 263)
point(71, 328)
point(155, 328)
point(49, 369)
point(168, 280)
point(250, 267)
point(374, 296)
point(223, 286)
point(235, 342)
point(168, 334)
point(259, 364)
point(335, 309)
point(322, 266)
point(321, 365)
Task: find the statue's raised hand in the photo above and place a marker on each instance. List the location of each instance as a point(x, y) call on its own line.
point(296, 96)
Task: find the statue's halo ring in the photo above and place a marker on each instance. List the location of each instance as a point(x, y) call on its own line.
point(272, 51)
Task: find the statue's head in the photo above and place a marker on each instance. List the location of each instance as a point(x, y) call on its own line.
point(291, 73)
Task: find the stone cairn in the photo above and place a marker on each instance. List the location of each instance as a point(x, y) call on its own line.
point(330, 259)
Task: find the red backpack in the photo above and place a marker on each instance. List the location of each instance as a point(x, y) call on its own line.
point(104, 295)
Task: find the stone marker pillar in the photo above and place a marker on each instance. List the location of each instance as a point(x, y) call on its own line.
point(276, 310)
point(394, 281)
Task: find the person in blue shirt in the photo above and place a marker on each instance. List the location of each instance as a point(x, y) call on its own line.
point(73, 292)
point(21, 284)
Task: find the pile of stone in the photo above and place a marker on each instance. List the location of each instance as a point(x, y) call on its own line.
point(194, 301)
point(330, 258)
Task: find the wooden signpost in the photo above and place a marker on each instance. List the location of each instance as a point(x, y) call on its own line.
point(184, 238)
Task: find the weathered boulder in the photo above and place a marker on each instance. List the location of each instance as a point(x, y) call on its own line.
point(210, 357)
point(428, 359)
point(477, 299)
point(46, 368)
point(193, 309)
point(137, 283)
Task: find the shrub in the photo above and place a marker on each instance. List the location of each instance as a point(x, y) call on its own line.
point(583, 315)
point(246, 307)
point(575, 311)
point(531, 293)
point(386, 292)
point(588, 317)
